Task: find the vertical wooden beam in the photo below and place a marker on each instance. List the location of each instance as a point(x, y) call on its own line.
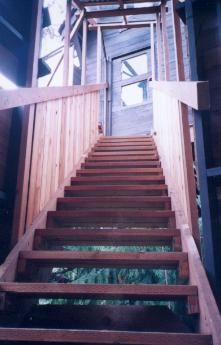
point(99, 54)
point(159, 48)
point(152, 45)
point(67, 43)
point(165, 41)
point(20, 210)
point(184, 123)
point(84, 53)
point(180, 73)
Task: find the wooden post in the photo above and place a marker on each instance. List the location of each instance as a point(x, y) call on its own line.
point(159, 48)
point(165, 41)
point(99, 54)
point(67, 43)
point(184, 124)
point(84, 53)
point(152, 52)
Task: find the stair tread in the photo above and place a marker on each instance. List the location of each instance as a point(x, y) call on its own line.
point(117, 187)
point(128, 259)
point(137, 153)
point(103, 337)
point(115, 199)
point(125, 170)
point(132, 147)
point(113, 213)
point(125, 157)
point(125, 164)
point(120, 291)
point(118, 179)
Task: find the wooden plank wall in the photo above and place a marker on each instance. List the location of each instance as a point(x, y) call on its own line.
point(65, 130)
point(169, 129)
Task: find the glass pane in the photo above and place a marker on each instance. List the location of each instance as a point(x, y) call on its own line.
point(134, 66)
point(134, 93)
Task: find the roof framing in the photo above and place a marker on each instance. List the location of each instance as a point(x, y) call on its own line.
point(123, 12)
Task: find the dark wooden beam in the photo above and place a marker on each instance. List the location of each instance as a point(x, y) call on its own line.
point(123, 12)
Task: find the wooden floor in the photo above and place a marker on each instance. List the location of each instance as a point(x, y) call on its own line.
point(118, 198)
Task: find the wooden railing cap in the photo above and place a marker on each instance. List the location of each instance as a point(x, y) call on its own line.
point(26, 96)
point(192, 93)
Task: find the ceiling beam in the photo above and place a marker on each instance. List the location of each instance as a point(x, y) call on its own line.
point(130, 25)
point(80, 6)
point(112, 2)
point(123, 12)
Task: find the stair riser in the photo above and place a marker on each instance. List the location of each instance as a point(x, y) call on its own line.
point(62, 205)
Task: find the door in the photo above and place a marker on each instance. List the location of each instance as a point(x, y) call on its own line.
point(131, 102)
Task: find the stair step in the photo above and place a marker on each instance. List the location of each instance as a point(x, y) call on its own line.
point(148, 260)
point(112, 237)
point(82, 180)
point(108, 149)
point(93, 202)
point(114, 158)
point(123, 146)
point(121, 172)
point(124, 164)
point(155, 218)
point(122, 190)
point(120, 153)
point(102, 337)
point(103, 291)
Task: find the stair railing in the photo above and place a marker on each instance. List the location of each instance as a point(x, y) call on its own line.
point(65, 128)
point(172, 136)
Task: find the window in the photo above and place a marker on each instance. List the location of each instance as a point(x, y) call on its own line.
point(134, 79)
point(134, 66)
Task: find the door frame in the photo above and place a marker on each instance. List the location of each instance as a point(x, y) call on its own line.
point(110, 60)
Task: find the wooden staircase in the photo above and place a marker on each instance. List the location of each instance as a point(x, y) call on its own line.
point(118, 198)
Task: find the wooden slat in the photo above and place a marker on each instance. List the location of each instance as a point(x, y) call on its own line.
point(102, 337)
point(24, 96)
point(191, 93)
point(104, 291)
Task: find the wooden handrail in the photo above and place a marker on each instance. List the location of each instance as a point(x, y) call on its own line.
point(26, 96)
point(192, 93)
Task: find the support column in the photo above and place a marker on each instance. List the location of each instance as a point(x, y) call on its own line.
point(165, 41)
point(67, 43)
point(84, 53)
point(152, 52)
point(159, 48)
point(99, 54)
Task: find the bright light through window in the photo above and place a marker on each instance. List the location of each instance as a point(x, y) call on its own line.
point(6, 83)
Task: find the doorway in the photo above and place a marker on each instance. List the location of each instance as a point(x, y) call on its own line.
point(131, 111)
